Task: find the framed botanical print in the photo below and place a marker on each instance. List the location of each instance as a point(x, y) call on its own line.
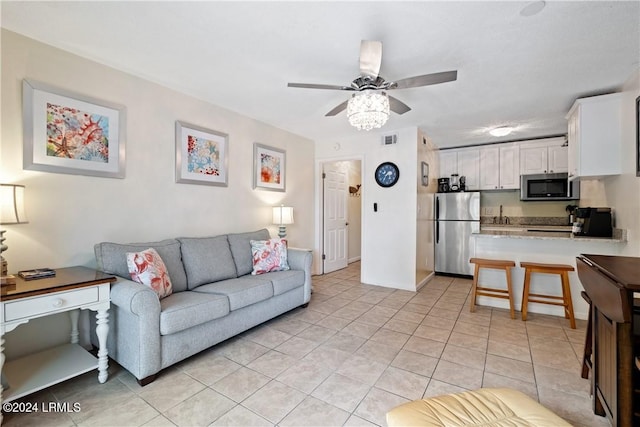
point(201, 155)
point(269, 168)
point(66, 132)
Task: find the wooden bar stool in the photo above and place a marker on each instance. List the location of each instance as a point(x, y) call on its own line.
point(497, 264)
point(565, 300)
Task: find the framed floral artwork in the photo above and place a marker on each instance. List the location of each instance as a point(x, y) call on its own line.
point(65, 132)
point(269, 168)
point(201, 155)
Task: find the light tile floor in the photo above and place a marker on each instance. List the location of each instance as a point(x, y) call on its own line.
point(354, 353)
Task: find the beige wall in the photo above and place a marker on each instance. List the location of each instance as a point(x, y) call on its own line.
point(68, 214)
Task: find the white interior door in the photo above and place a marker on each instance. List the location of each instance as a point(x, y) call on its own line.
point(336, 190)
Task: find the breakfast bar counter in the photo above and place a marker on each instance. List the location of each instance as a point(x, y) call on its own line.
point(546, 233)
point(546, 245)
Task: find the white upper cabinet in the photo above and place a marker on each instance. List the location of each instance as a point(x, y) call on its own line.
point(464, 162)
point(448, 163)
point(543, 156)
point(499, 167)
point(595, 136)
point(469, 167)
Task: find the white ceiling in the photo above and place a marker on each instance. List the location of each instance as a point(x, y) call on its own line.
point(512, 69)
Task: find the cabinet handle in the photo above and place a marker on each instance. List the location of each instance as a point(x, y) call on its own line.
point(58, 302)
point(550, 171)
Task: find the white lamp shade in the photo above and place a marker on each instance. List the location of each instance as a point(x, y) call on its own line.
point(12, 204)
point(283, 215)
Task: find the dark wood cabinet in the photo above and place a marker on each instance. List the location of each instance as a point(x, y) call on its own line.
point(610, 282)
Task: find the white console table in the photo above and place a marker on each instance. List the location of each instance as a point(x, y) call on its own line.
point(72, 289)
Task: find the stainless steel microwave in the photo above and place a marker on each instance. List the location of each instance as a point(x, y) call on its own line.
point(548, 186)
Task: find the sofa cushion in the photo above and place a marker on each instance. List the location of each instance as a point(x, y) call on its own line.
point(112, 259)
point(241, 292)
point(207, 260)
point(187, 309)
point(284, 281)
point(269, 255)
point(147, 268)
point(240, 244)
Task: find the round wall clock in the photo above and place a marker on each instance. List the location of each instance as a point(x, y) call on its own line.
point(387, 174)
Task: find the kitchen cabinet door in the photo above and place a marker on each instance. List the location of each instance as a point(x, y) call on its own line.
point(448, 163)
point(557, 158)
point(489, 168)
point(533, 159)
point(469, 167)
point(509, 167)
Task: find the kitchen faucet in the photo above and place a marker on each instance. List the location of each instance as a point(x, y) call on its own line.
point(501, 220)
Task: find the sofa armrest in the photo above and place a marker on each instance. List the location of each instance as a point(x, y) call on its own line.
point(135, 331)
point(135, 298)
point(301, 259)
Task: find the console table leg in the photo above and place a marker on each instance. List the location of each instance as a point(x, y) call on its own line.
point(1, 366)
point(73, 316)
point(102, 329)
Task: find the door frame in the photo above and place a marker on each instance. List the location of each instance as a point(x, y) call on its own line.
point(319, 214)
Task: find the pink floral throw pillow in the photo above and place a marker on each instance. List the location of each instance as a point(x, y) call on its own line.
point(147, 268)
point(269, 255)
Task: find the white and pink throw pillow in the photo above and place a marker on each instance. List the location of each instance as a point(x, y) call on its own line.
point(147, 268)
point(269, 255)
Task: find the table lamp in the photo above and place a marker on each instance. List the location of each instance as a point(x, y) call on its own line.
point(11, 212)
point(282, 216)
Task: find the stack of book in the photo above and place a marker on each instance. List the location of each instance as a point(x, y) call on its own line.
point(37, 273)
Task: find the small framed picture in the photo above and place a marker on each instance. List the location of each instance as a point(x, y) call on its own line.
point(65, 132)
point(424, 173)
point(269, 168)
point(201, 155)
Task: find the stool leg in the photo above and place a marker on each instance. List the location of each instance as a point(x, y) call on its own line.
point(510, 291)
point(525, 292)
point(568, 303)
point(474, 288)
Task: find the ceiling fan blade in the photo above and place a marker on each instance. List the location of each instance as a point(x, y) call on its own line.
point(425, 80)
point(338, 109)
point(397, 106)
point(318, 86)
point(370, 58)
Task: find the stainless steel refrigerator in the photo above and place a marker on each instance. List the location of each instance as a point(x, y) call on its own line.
point(457, 217)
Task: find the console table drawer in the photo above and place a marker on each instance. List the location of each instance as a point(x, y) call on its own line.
point(41, 305)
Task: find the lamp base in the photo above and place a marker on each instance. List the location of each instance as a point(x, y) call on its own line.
point(282, 231)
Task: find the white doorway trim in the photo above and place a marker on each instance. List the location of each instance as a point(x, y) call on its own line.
point(319, 212)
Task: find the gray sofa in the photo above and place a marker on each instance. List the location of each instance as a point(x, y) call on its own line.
point(214, 298)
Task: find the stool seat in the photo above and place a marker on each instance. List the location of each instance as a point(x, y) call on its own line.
point(483, 407)
point(478, 290)
point(565, 300)
point(552, 268)
point(489, 263)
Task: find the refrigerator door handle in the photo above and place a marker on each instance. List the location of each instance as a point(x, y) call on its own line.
point(437, 208)
point(437, 232)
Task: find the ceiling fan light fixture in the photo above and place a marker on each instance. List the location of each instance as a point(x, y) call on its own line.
point(501, 130)
point(368, 110)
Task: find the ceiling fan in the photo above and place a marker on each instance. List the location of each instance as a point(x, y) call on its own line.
point(370, 80)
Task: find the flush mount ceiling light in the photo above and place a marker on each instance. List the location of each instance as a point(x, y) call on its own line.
point(368, 110)
point(501, 130)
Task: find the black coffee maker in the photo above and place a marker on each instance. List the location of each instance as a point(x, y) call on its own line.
point(443, 185)
point(595, 222)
